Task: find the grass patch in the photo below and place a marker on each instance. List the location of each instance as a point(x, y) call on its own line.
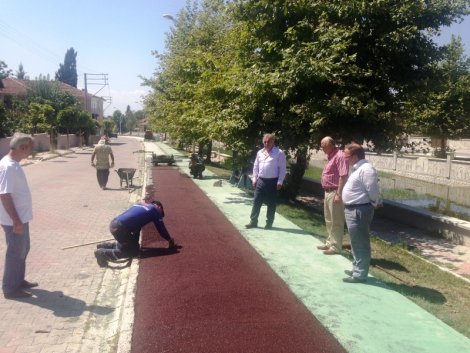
point(313, 173)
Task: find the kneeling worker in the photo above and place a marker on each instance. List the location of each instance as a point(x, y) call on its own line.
point(126, 227)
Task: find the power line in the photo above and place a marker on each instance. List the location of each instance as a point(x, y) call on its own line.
point(27, 43)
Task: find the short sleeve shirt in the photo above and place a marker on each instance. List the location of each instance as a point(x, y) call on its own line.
point(13, 181)
point(336, 167)
point(102, 153)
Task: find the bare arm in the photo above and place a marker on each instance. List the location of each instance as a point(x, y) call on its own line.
point(341, 183)
point(7, 202)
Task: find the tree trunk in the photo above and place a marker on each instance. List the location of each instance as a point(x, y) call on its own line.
point(296, 174)
point(209, 152)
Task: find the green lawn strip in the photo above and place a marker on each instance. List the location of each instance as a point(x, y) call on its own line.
point(445, 296)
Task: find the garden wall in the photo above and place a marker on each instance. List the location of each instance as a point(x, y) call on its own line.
point(42, 143)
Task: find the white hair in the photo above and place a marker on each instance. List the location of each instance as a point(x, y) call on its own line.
point(19, 139)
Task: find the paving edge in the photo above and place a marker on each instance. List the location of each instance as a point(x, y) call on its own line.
point(124, 344)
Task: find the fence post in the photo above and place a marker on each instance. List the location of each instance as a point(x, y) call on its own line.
point(450, 157)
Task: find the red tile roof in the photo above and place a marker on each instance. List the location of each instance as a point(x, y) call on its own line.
point(14, 87)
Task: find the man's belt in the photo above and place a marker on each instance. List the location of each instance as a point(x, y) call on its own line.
point(330, 189)
point(349, 207)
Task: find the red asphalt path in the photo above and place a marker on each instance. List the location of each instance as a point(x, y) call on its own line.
point(215, 294)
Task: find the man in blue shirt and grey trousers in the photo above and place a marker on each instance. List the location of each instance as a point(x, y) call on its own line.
point(126, 227)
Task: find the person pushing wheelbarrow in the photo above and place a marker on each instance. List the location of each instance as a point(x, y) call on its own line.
point(126, 227)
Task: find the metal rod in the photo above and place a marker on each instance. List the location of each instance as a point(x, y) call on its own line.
point(93, 242)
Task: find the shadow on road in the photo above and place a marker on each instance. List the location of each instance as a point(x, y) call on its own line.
point(62, 305)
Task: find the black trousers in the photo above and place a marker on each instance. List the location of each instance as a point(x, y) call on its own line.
point(265, 192)
point(126, 245)
point(102, 175)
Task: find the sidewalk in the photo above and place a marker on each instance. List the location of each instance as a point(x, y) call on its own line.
point(364, 318)
point(78, 307)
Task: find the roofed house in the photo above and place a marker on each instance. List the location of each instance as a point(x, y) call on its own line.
point(11, 87)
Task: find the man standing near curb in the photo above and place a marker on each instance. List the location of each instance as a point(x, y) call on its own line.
point(102, 152)
point(360, 196)
point(334, 176)
point(16, 210)
point(269, 171)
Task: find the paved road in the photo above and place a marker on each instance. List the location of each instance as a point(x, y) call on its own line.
point(77, 306)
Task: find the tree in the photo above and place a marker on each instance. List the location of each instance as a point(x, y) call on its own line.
point(67, 119)
point(301, 69)
point(4, 71)
point(40, 118)
point(443, 109)
point(21, 74)
point(130, 121)
point(108, 125)
point(118, 119)
point(67, 72)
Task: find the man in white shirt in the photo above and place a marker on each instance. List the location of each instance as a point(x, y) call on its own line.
point(360, 196)
point(16, 210)
point(269, 171)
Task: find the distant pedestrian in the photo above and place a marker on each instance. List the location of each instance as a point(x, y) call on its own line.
point(126, 227)
point(16, 210)
point(334, 176)
point(103, 154)
point(360, 196)
point(269, 171)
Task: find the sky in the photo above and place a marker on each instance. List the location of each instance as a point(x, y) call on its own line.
point(112, 37)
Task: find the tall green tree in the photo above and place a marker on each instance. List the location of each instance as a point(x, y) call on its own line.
point(67, 72)
point(20, 73)
point(130, 120)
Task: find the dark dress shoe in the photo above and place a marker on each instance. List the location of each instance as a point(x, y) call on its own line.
point(27, 284)
point(349, 273)
point(102, 262)
point(268, 226)
point(354, 280)
point(251, 225)
point(17, 294)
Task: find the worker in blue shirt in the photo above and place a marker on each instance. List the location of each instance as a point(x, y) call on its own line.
point(126, 227)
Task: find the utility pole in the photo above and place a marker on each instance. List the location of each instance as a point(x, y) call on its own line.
point(97, 80)
point(86, 93)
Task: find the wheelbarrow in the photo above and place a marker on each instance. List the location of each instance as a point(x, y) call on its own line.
point(125, 174)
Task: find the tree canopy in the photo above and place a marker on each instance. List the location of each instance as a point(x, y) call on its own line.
point(304, 69)
point(67, 72)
